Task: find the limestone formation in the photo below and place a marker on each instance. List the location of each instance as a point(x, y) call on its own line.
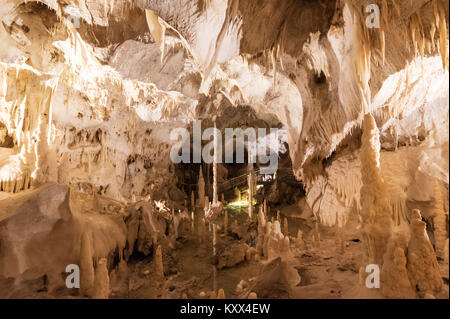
point(285, 227)
point(159, 268)
point(252, 295)
point(299, 240)
point(201, 189)
point(394, 275)
point(192, 201)
point(216, 159)
point(422, 265)
point(261, 231)
point(440, 221)
point(251, 182)
point(275, 243)
point(375, 210)
point(331, 116)
point(86, 266)
point(221, 294)
point(101, 282)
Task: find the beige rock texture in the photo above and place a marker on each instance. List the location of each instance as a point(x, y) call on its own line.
point(101, 282)
point(422, 265)
point(92, 92)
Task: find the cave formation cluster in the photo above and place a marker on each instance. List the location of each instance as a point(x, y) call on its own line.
point(91, 90)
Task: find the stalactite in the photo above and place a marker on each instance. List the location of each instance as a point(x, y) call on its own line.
point(443, 39)
point(396, 7)
point(383, 45)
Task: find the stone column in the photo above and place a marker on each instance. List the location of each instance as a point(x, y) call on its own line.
point(201, 189)
point(215, 187)
point(251, 178)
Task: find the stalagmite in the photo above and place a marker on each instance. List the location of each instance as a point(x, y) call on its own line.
point(316, 234)
point(159, 268)
point(251, 182)
point(261, 231)
point(192, 201)
point(221, 294)
point(349, 100)
point(216, 159)
point(207, 204)
point(214, 230)
point(86, 266)
point(394, 275)
point(299, 240)
point(376, 212)
point(285, 227)
point(265, 208)
point(423, 269)
point(252, 295)
point(440, 220)
point(201, 189)
point(101, 282)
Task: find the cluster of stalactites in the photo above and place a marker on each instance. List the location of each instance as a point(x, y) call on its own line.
point(419, 36)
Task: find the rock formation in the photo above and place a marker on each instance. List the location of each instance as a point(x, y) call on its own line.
point(251, 183)
point(87, 274)
point(422, 265)
point(101, 282)
point(375, 210)
point(106, 110)
point(394, 275)
point(201, 189)
point(440, 221)
point(159, 268)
